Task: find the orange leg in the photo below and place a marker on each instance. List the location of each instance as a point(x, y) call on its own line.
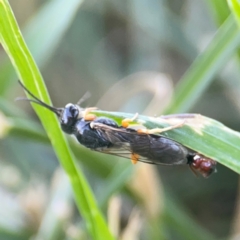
point(160, 130)
point(87, 115)
point(126, 121)
point(134, 158)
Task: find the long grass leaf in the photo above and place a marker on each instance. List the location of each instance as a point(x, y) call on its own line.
point(205, 67)
point(28, 72)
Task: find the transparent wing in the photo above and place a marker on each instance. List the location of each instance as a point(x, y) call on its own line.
point(124, 150)
point(148, 148)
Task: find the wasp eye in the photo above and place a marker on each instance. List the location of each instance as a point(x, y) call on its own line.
point(74, 111)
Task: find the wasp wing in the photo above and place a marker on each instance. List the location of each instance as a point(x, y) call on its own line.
point(150, 148)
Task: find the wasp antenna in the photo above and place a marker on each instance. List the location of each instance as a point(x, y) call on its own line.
point(31, 94)
point(21, 99)
point(36, 100)
point(33, 100)
point(84, 98)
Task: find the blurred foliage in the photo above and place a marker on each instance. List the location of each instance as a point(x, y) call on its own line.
point(235, 8)
point(117, 50)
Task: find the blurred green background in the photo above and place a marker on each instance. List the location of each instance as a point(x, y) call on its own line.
point(132, 56)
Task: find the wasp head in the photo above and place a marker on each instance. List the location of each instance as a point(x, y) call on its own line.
point(69, 117)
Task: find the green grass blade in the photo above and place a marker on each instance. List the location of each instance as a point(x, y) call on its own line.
point(28, 72)
point(219, 9)
point(205, 67)
point(235, 8)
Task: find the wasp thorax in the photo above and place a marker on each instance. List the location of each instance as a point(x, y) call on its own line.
point(69, 117)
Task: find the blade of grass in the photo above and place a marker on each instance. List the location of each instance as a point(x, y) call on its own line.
point(28, 72)
point(205, 67)
point(219, 10)
point(235, 8)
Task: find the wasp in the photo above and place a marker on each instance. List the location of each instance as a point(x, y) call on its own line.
point(106, 136)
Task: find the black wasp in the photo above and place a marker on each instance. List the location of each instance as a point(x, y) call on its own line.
point(105, 135)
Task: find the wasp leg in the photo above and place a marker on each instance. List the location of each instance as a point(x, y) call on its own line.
point(193, 170)
point(134, 158)
point(87, 116)
point(160, 130)
point(126, 121)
